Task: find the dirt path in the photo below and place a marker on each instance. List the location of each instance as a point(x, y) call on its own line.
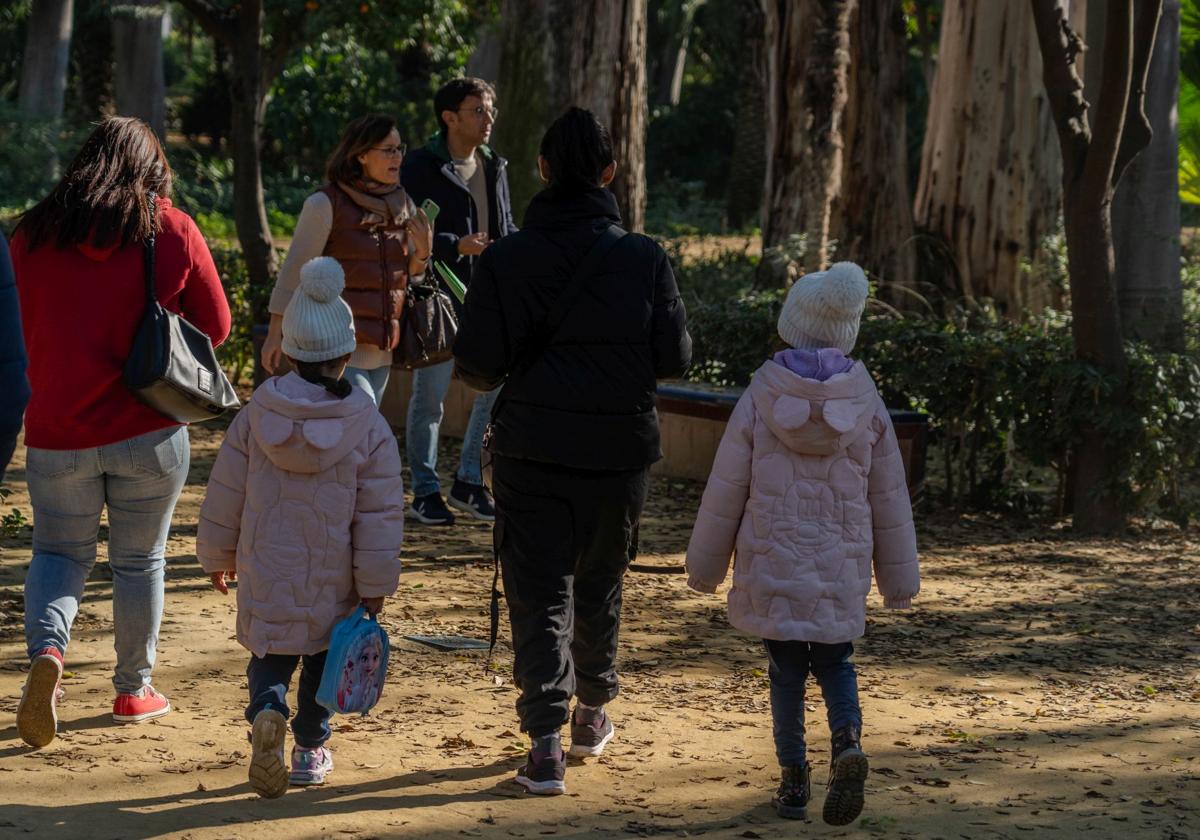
point(1043, 688)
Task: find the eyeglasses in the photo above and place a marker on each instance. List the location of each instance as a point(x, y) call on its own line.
point(391, 151)
point(479, 111)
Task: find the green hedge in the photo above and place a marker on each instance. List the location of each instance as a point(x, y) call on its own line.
point(1003, 398)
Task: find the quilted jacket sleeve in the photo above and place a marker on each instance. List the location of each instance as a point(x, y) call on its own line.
point(221, 513)
point(896, 570)
point(377, 531)
point(724, 502)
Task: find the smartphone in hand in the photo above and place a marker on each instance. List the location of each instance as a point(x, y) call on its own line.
point(429, 206)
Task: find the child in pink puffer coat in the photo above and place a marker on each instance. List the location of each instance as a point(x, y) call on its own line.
point(808, 490)
point(305, 507)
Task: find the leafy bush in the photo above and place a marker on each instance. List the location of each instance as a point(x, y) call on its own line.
point(1004, 399)
point(237, 353)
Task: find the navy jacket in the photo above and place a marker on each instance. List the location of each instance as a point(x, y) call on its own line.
point(428, 172)
point(14, 385)
point(588, 401)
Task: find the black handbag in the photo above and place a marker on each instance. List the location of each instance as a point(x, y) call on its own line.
point(172, 366)
point(430, 325)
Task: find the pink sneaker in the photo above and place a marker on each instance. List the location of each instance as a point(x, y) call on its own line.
point(144, 705)
point(37, 714)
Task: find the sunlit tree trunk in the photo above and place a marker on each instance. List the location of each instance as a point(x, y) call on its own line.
point(990, 181)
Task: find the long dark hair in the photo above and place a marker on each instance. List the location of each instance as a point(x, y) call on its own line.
point(357, 137)
point(577, 147)
point(103, 196)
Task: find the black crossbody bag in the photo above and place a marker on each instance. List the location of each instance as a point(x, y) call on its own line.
point(172, 367)
point(533, 351)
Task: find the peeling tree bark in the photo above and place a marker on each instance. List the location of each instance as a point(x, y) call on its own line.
point(872, 216)
point(807, 48)
point(556, 53)
point(989, 185)
point(1096, 149)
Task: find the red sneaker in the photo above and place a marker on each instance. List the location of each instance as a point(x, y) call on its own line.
point(145, 705)
point(37, 715)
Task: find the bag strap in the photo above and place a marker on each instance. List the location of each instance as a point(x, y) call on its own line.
point(587, 267)
point(148, 252)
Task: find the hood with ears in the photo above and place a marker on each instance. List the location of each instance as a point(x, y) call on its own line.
point(814, 417)
point(303, 428)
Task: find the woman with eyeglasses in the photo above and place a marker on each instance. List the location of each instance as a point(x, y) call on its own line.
point(365, 220)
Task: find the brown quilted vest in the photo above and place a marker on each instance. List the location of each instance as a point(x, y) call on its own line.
point(373, 252)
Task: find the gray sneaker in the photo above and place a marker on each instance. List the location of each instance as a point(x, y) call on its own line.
point(589, 738)
point(544, 773)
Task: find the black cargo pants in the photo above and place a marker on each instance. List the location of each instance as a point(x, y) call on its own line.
point(564, 537)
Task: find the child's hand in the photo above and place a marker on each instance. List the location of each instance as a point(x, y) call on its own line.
point(218, 580)
point(374, 605)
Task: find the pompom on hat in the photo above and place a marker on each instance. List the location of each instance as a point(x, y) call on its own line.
point(317, 324)
point(824, 308)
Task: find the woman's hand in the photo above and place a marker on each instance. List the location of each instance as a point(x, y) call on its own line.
point(218, 580)
point(420, 235)
point(272, 352)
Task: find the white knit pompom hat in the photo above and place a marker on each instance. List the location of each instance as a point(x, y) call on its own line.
point(317, 324)
point(823, 309)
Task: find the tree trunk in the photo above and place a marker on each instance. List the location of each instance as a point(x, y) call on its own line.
point(248, 92)
point(666, 67)
point(138, 82)
point(44, 62)
point(748, 164)
point(1095, 153)
point(92, 59)
point(484, 62)
point(807, 49)
point(872, 217)
point(1146, 208)
point(990, 181)
point(608, 77)
point(598, 64)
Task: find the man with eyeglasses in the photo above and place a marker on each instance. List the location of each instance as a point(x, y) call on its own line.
point(466, 179)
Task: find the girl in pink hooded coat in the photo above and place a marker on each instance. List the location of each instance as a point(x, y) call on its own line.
point(305, 507)
point(808, 489)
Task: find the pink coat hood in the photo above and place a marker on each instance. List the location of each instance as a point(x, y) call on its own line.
point(808, 490)
point(306, 502)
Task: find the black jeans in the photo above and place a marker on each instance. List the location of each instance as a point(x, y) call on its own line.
point(564, 538)
point(268, 678)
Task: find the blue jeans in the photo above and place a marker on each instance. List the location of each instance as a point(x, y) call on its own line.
point(790, 664)
point(268, 678)
point(139, 480)
point(429, 388)
point(372, 381)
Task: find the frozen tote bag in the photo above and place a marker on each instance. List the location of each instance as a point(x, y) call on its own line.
point(356, 665)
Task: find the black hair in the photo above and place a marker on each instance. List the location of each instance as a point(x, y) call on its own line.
point(452, 94)
point(314, 372)
point(577, 148)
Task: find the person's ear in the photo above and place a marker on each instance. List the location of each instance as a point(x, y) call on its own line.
point(449, 118)
point(543, 169)
point(608, 174)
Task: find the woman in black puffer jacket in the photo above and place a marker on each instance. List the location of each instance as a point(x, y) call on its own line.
point(574, 430)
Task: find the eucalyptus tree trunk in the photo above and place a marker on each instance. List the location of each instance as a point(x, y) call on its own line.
point(990, 180)
point(872, 216)
point(1146, 207)
point(42, 91)
point(590, 53)
point(807, 50)
point(139, 87)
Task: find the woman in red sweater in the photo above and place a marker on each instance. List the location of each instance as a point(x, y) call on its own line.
point(77, 257)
